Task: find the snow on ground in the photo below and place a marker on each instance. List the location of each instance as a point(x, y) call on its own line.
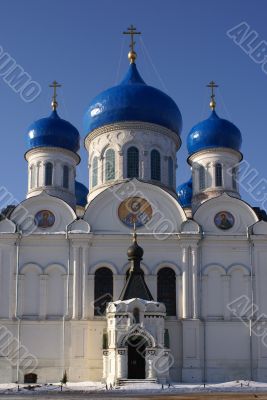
point(234, 386)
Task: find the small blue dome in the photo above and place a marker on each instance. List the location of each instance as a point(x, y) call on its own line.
point(214, 132)
point(133, 100)
point(53, 132)
point(185, 192)
point(81, 193)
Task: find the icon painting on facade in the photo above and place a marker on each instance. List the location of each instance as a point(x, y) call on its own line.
point(224, 220)
point(44, 219)
point(135, 210)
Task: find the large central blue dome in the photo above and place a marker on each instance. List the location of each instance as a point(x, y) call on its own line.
point(53, 131)
point(133, 100)
point(212, 133)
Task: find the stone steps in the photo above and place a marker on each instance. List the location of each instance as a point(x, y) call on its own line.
point(124, 382)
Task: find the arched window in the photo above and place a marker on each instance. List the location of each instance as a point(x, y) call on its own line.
point(167, 289)
point(48, 173)
point(170, 171)
point(32, 176)
point(132, 162)
point(202, 180)
point(110, 164)
point(218, 174)
point(103, 290)
point(95, 172)
point(234, 178)
point(155, 165)
point(136, 315)
point(66, 177)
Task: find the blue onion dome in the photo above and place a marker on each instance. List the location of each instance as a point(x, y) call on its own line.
point(214, 132)
point(81, 193)
point(133, 100)
point(185, 192)
point(53, 131)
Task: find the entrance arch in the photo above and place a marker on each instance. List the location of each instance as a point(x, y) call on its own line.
point(137, 345)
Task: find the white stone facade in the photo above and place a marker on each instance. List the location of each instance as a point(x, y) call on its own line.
point(48, 274)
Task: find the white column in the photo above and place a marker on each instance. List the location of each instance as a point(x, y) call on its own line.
point(195, 311)
point(91, 295)
point(37, 176)
point(119, 166)
point(204, 305)
point(66, 310)
point(42, 183)
point(20, 295)
point(76, 281)
point(179, 291)
point(150, 370)
point(85, 303)
point(226, 295)
point(12, 281)
point(185, 281)
point(122, 364)
point(43, 296)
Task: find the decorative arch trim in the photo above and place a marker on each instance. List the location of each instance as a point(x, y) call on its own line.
point(27, 266)
point(168, 264)
point(60, 267)
point(236, 266)
point(105, 264)
point(137, 331)
point(210, 266)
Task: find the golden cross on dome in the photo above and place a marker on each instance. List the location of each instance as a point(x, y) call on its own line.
point(54, 103)
point(212, 85)
point(132, 54)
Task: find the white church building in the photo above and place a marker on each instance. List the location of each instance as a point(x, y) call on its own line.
point(131, 278)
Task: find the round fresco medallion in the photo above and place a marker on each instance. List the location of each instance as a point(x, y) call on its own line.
point(135, 210)
point(44, 219)
point(224, 220)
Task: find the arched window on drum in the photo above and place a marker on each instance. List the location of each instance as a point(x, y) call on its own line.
point(110, 165)
point(155, 165)
point(132, 162)
point(48, 174)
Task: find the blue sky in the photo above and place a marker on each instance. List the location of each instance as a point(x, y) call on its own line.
point(184, 45)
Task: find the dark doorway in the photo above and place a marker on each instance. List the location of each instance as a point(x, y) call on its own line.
point(30, 378)
point(136, 357)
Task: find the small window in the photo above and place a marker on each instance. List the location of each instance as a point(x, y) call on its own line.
point(218, 174)
point(110, 164)
point(66, 177)
point(202, 180)
point(155, 165)
point(170, 171)
point(132, 162)
point(48, 173)
point(95, 172)
point(234, 178)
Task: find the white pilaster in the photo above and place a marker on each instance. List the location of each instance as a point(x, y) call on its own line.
point(76, 283)
point(43, 295)
point(195, 311)
point(85, 303)
point(185, 281)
